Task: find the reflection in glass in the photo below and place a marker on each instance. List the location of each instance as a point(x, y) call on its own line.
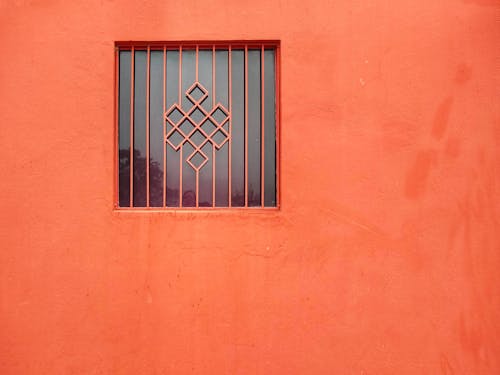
point(188, 178)
point(156, 130)
point(254, 125)
point(140, 129)
point(221, 176)
point(172, 177)
point(205, 178)
point(269, 129)
point(221, 156)
point(172, 156)
point(124, 129)
point(238, 128)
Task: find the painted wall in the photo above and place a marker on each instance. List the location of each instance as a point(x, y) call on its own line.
point(384, 258)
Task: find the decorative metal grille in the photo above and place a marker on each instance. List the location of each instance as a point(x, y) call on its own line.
point(197, 125)
point(206, 128)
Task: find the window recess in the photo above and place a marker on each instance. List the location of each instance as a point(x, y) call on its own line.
point(197, 125)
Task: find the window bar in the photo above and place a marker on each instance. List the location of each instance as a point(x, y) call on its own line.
point(213, 106)
point(196, 63)
point(117, 129)
point(164, 128)
point(180, 105)
point(131, 164)
point(197, 171)
point(262, 132)
point(147, 124)
point(245, 126)
point(277, 116)
point(230, 124)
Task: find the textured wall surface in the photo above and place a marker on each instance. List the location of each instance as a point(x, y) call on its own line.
point(385, 255)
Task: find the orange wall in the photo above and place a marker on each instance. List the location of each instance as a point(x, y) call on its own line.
point(384, 258)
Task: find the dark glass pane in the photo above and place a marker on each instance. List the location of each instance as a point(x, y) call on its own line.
point(221, 78)
point(172, 177)
point(189, 176)
point(254, 125)
point(188, 76)
point(237, 128)
point(172, 156)
point(221, 176)
point(188, 173)
point(269, 130)
point(156, 130)
point(221, 155)
point(205, 178)
point(124, 129)
point(205, 76)
point(140, 129)
point(172, 73)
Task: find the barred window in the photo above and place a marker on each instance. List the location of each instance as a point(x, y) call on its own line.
point(197, 125)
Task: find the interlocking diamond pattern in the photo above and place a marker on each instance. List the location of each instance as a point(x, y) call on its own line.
point(197, 126)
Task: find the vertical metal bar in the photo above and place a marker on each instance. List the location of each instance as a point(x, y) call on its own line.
point(262, 130)
point(197, 186)
point(230, 124)
point(180, 75)
point(147, 125)
point(246, 125)
point(180, 176)
point(277, 114)
point(164, 128)
point(197, 171)
point(116, 197)
point(213, 76)
point(196, 59)
point(180, 105)
point(213, 146)
point(132, 82)
point(213, 175)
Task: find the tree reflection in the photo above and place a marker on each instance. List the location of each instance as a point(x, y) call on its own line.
point(156, 186)
point(140, 182)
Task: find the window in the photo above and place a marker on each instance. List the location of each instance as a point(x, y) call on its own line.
point(197, 125)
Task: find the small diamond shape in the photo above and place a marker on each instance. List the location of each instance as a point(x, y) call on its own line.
point(218, 139)
point(197, 115)
point(174, 115)
point(197, 138)
point(219, 115)
point(186, 127)
point(197, 160)
point(208, 127)
point(175, 139)
point(197, 94)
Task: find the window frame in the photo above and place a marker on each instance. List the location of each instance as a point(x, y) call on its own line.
point(176, 45)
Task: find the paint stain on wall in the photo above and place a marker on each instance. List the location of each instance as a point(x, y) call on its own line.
point(441, 118)
point(418, 174)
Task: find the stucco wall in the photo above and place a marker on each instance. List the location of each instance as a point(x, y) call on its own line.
point(384, 258)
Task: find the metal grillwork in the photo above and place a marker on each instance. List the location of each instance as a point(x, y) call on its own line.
point(197, 125)
point(206, 127)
